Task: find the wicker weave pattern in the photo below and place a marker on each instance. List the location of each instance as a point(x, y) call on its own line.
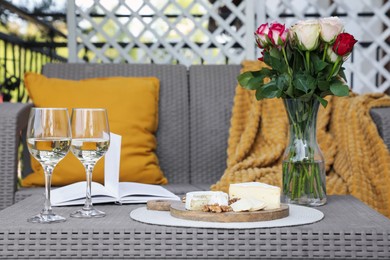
point(173, 131)
point(195, 244)
point(13, 118)
point(381, 117)
point(212, 89)
point(350, 230)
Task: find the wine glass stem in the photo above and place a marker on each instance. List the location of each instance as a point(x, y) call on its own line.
point(88, 200)
point(47, 206)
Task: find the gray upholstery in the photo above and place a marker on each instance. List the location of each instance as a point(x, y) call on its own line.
point(212, 91)
point(13, 118)
point(381, 117)
point(194, 119)
point(173, 129)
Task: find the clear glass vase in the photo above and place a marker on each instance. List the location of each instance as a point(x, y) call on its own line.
point(303, 162)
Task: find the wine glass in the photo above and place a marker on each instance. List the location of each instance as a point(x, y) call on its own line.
point(48, 141)
point(91, 139)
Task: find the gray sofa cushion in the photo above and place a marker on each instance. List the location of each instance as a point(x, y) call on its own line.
point(173, 130)
point(212, 89)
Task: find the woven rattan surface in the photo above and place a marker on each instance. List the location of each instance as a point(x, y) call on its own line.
point(381, 117)
point(13, 118)
point(349, 230)
point(211, 101)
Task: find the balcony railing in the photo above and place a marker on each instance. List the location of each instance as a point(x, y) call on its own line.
point(18, 56)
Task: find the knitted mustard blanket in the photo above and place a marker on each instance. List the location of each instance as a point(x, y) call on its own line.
point(357, 160)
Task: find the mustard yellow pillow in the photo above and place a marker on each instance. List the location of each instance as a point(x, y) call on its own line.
point(132, 107)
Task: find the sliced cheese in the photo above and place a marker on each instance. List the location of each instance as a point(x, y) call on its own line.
point(257, 190)
point(241, 205)
point(248, 204)
point(197, 199)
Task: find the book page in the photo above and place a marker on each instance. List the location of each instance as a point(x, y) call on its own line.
point(75, 193)
point(112, 164)
point(141, 193)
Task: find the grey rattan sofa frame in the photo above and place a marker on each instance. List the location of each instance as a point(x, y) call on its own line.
point(194, 118)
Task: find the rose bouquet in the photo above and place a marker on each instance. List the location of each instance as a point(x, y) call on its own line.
point(304, 66)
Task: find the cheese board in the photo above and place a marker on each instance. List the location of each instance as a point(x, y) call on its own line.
point(177, 209)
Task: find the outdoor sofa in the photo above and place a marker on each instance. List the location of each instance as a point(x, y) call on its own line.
point(194, 118)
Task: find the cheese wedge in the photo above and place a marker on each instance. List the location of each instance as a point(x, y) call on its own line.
point(257, 190)
point(197, 199)
point(257, 204)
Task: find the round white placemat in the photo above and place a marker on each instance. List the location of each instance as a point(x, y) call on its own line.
point(299, 215)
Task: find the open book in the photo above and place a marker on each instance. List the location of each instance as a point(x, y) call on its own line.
point(113, 190)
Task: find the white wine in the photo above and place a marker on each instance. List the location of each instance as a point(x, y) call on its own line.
point(48, 151)
point(89, 150)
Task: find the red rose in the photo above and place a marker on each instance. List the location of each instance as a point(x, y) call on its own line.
point(344, 44)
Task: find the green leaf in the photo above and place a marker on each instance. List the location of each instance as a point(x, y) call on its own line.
point(276, 53)
point(282, 81)
point(244, 78)
point(288, 52)
point(342, 74)
point(326, 93)
point(255, 83)
point(298, 60)
point(269, 90)
point(306, 97)
point(323, 85)
point(318, 64)
point(339, 89)
point(267, 58)
point(311, 82)
point(275, 60)
point(300, 82)
point(323, 102)
point(254, 79)
point(304, 82)
point(263, 72)
point(290, 91)
point(278, 65)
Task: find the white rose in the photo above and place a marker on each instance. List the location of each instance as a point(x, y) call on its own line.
point(307, 34)
point(331, 56)
point(330, 28)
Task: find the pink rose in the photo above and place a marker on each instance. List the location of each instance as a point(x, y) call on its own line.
point(278, 34)
point(262, 57)
point(261, 35)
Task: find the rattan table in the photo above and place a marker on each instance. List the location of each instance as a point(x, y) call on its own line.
point(350, 229)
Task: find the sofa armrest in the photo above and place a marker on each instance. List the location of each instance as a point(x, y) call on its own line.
point(13, 119)
point(381, 117)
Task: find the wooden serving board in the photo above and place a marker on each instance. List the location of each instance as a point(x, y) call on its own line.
point(178, 211)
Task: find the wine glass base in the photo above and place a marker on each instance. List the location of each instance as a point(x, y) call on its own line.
point(46, 218)
point(88, 213)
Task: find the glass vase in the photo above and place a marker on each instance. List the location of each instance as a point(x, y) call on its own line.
point(303, 162)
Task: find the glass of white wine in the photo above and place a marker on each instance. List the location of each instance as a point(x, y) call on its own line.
point(91, 139)
point(48, 140)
